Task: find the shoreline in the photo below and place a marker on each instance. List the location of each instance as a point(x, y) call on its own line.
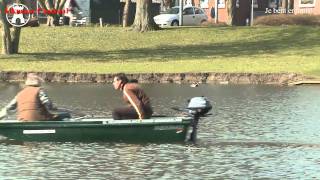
point(180, 78)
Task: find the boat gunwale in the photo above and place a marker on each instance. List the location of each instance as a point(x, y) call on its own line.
point(98, 122)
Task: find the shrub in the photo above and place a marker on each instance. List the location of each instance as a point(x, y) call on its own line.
point(284, 19)
point(212, 24)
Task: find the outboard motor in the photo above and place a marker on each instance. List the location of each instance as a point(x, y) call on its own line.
point(197, 107)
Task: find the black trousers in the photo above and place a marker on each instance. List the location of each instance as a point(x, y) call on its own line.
point(61, 116)
point(130, 113)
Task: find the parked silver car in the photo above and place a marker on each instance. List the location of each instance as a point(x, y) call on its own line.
point(191, 16)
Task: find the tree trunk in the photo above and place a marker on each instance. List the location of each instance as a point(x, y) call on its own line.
point(143, 20)
point(231, 7)
point(10, 39)
point(126, 11)
point(15, 39)
point(6, 38)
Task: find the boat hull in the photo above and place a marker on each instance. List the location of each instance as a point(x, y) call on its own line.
point(151, 130)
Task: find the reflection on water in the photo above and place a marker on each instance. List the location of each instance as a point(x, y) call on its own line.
point(257, 132)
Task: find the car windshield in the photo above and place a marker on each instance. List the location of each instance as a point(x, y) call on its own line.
point(172, 11)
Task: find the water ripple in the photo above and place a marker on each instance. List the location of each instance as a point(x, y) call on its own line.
point(258, 132)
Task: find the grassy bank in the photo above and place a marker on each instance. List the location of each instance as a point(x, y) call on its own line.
point(221, 49)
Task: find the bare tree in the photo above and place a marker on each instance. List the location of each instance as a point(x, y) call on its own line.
point(143, 20)
point(126, 11)
point(10, 38)
point(50, 5)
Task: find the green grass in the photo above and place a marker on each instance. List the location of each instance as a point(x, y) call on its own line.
point(218, 49)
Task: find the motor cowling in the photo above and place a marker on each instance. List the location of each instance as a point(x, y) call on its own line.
point(200, 105)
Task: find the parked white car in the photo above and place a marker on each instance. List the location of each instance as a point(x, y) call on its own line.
point(191, 16)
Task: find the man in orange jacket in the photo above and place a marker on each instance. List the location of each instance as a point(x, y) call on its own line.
point(32, 103)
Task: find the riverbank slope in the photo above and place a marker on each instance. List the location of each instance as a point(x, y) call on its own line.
point(191, 78)
point(107, 50)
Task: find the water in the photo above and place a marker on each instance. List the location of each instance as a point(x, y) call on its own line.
point(258, 132)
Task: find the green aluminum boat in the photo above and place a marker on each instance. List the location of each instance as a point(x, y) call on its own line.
point(156, 129)
point(162, 129)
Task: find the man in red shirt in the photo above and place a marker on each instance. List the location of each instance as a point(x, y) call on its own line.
point(139, 106)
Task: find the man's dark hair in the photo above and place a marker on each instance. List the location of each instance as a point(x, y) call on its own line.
point(122, 77)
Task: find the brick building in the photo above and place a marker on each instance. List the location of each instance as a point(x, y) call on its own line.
point(307, 6)
point(243, 11)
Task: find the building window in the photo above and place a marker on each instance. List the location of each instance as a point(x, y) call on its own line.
point(204, 3)
point(187, 2)
point(307, 3)
point(221, 4)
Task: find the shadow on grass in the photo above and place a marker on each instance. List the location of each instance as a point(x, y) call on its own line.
point(273, 43)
